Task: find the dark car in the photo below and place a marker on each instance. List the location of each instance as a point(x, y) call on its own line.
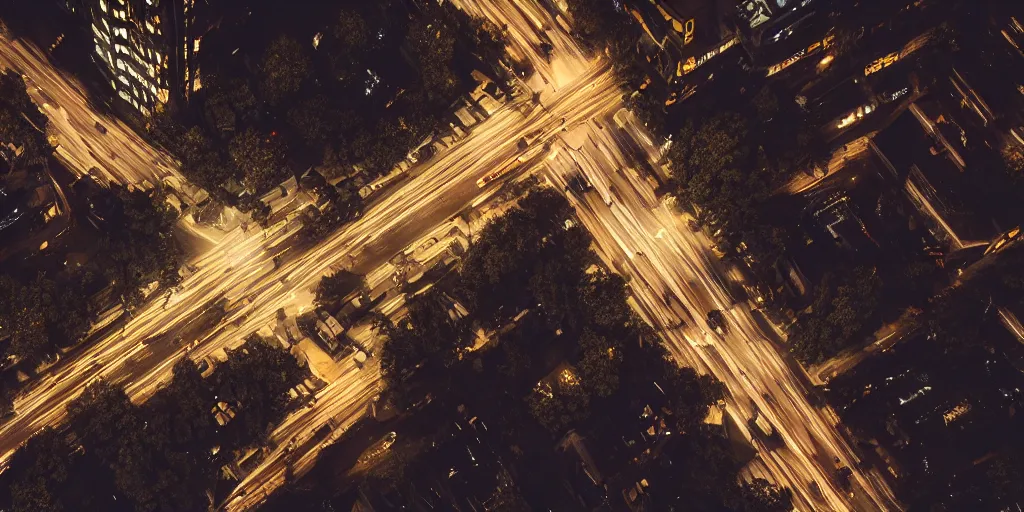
point(716, 320)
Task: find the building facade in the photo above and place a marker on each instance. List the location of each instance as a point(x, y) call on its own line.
point(148, 49)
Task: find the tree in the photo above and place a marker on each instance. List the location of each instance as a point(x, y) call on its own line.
point(284, 67)
point(42, 315)
point(703, 155)
point(838, 314)
point(956, 317)
point(158, 453)
point(526, 257)
point(760, 495)
point(488, 39)
point(434, 46)
point(100, 417)
point(23, 319)
point(558, 274)
point(393, 469)
point(382, 147)
point(352, 32)
point(507, 497)
point(140, 244)
point(1013, 157)
point(690, 395)
point(200, 162)
point(431, 333)
point(315, 120)
point(603, 300)
point(257, 210)
point(226, 102)
point(47, 474)
point(333, 288)
point(599, 364)
point(605, 25)
point(261, 160)
point(254, 382)
point(561, 404)
point(22, 125)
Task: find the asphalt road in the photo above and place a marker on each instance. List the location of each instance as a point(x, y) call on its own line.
point(574, 90)
point(121, 155)
point(677, 280)
point(240, 267)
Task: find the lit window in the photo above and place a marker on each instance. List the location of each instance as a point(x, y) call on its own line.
point(124, 95)
point(195, 45)
point(103, 6)
point(123, 80)
point(144, 110)
point(120, 64)
point(106, 25)
point(150, 27)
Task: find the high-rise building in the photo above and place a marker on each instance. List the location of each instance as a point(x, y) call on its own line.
point(148, 49)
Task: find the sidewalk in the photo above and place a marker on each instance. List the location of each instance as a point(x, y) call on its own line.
point(885, 338)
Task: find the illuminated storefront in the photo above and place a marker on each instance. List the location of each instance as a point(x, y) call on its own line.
point(814, 47)
point(692, 63)
point(881, 63)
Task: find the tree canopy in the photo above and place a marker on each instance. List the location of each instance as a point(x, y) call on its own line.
point(334, 287)
point(285, 66)
point(254, 382)
point(841, 309)
point(260, 159)
point(165, 454)
point(22, 125)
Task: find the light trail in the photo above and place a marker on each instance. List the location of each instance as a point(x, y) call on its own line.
point(120, 155)
point(659, 251)
point(240, 267)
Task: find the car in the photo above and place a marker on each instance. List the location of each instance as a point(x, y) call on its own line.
point(716, 321)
